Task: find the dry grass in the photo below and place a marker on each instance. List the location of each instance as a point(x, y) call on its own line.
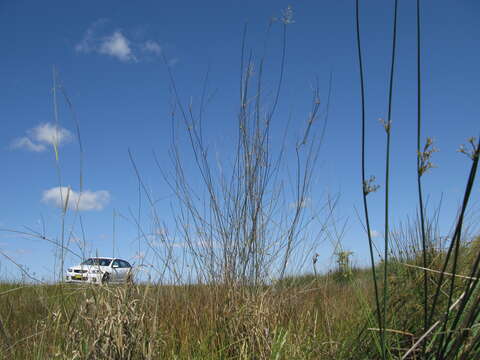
point(202, 321)
point(308, 317)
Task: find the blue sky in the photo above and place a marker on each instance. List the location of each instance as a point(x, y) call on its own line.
point(109, 58)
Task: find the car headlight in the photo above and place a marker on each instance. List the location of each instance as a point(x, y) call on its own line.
point(95, 271)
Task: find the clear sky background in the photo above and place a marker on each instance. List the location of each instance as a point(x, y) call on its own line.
point(109, 58)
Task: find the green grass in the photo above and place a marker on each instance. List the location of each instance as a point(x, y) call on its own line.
point(304, 317)
point(312, 320)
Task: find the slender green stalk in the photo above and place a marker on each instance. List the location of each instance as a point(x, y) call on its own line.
point(388, 125)
point(419, 173)
point(456, 254)
point(455, 237)
point(468, 322)
point(471, 285)
point(80, 146)
point(364, 180)
point(59, 175)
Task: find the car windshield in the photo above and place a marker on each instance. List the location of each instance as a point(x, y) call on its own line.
point(97, 261)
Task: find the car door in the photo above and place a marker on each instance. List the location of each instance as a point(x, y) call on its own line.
point(116, 271)
point(127, 268)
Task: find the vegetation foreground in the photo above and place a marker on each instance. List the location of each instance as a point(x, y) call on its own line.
point(311, 317)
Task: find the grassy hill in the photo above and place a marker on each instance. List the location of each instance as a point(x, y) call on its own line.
point(306, 317)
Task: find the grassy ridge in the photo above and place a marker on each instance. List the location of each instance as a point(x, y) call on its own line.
point(306, 317)
point(311, 320)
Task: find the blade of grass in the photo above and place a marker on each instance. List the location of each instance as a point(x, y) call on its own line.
point(387, 172)
point(364, 180)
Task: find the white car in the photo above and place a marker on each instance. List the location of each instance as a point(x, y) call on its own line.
point(100, 270)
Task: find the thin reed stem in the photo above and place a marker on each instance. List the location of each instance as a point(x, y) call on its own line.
point(388, 125)
point(455, 237)
point(364, 180)
point(471, 285)
point(419, 174)
point(59, 174)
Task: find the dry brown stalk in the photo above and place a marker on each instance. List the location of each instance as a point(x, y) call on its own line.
point(439, 272)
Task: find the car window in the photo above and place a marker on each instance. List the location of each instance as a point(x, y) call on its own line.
point(104, 262)
point(117, 263)
point(124, 264)
point(87, 262)
point(97, 261)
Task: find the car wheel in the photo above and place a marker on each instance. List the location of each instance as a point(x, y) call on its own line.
point(106, 278)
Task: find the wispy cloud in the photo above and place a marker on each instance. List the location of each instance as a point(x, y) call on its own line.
point(116, 44)
point(50, 134)
point(375, 233)
point(40, 137)
point(84, 201)
point(27, 144)
point(90, 41)
point(153, 47)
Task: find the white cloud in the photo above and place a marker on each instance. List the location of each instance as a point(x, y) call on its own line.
point(117, 45)
point(152, 47)
point(27, 144)
point(50, 134)
point(39, 137)
point(84, 201)
point(375, 233)
point(88, 42)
